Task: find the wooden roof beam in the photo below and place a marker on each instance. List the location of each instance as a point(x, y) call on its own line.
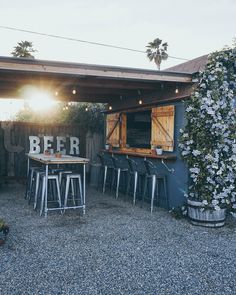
point(40, 66)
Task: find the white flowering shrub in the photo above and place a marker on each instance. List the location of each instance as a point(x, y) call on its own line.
point(208, 141)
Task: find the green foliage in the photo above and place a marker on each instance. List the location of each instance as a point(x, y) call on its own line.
point(87, 115)
point(208, 141)
point(157, 51)
point(29, 115)
point(23, 49)
point(4, 227)
point(179, 212)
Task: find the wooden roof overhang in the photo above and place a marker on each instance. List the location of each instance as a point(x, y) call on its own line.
point(93, 83)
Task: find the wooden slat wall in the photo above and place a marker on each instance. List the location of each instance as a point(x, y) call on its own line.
point(113, 129)
point(15, 163)
point(163, 127)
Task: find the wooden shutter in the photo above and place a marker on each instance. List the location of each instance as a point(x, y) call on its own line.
point(163, 127)
point(113, 129)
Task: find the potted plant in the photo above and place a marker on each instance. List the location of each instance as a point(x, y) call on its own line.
point(58, 154)
point(4, 230)
point(159, 150)
point(47, 152)
point(207, 142)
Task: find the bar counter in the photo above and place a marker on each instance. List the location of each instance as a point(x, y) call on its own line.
point(141, 155)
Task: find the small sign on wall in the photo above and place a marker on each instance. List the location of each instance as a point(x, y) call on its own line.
point(59, 145)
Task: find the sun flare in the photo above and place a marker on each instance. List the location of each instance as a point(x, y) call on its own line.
point(39, 100)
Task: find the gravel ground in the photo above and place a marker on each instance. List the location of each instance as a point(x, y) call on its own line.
point(114, 249)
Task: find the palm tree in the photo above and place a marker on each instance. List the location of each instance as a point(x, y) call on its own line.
point(23, 49)
point(234, 42)
point(157, 51)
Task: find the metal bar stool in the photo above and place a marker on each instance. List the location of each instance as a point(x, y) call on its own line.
point(56, 171)
point(153, 174)
point(106, 166)
point(51, 178)
point(62, 173)
point(36, 190)
point(119, 168)
point(73, 182)
point(134, 172)
point(30, 186)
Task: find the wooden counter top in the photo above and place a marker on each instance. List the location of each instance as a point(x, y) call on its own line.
point(136, 154)
point(51, 159)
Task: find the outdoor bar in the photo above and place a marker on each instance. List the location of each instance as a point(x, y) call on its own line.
point(138, 132)
point(144, 115)
point(147, 126)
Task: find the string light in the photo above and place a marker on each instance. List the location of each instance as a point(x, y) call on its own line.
point(140, 101)
point(86, 109)
point(65, 107)
point(110, 108)
point(176, 89)
point(56, 93)
point(74, 91)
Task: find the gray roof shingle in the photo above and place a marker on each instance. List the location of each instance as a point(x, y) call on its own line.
point(192, 66)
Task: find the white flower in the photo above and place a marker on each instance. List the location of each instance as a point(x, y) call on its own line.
point(194, 170)
point(212, 78)
point(189, 142)
point(215, 202)
point(214, 166)
point(196, 153)
point(210, 111)
point(217, 208)
point(203, 85)
point(189, 109)
point(209, 142)
point(219, 172)
point(185, 135)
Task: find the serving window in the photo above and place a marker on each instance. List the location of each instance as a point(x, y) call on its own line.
point(141, 130)
point(138, 129)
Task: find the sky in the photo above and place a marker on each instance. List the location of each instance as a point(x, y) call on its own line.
point(191, 28)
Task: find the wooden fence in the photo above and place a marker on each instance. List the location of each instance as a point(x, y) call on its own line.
point(14, 143)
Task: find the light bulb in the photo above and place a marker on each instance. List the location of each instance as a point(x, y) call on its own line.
point(140, 101)
point(110, 108)
point(176, 90)
point(74, 91)
point(86, 109)
point(56, 93)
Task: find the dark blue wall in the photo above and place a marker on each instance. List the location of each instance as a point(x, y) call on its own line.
point(177, 181)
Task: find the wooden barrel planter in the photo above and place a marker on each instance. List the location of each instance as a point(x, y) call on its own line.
point(199, 215)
